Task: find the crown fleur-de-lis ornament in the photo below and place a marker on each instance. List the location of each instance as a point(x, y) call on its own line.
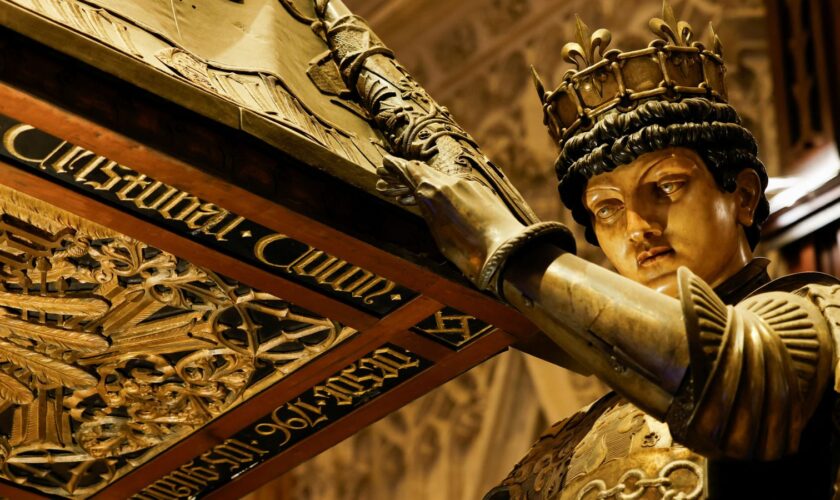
point(717, 46)
point(672, 67)
point(589, 47)
point(587, 50)
point(679, 33)
point(538, 83)
point(671, 30)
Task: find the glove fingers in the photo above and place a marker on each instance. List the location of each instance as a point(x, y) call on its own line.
point(391, 189)
point(394, 170)
point(399, 178)
point(407, 200)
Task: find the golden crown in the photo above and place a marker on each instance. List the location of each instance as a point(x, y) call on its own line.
point(671, 67)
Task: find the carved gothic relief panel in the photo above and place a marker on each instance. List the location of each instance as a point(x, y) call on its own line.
point(112, 350)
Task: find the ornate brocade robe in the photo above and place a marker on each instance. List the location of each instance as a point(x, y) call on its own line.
point(613, 450)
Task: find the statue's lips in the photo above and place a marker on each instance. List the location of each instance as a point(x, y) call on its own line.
point(650, 257)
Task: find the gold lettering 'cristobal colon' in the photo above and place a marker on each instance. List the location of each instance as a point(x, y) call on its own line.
point(326, 270)
point(86, 168)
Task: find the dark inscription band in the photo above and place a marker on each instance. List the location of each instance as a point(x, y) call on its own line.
point(318, 407)
point(207, 223)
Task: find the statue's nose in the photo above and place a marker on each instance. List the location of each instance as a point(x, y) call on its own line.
point(639, 228)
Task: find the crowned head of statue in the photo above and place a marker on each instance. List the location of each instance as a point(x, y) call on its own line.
point(654, 162)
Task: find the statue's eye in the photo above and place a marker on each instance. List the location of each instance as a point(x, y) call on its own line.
point(670, 187)
point(606, 211)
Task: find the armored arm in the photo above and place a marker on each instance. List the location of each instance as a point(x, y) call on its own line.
point(736, 381)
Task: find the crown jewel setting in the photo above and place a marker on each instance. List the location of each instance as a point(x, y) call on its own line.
point(671, 67)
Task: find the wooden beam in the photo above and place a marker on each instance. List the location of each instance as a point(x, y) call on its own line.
point(11, 491)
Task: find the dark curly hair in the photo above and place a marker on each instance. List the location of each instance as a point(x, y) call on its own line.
point(713, 130)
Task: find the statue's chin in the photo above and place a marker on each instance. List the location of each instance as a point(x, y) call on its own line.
point(666, 284)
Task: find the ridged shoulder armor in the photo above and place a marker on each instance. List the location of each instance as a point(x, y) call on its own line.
point(827, 298)
point(758, 369)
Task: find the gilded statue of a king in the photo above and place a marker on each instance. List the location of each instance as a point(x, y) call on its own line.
point(723, 379)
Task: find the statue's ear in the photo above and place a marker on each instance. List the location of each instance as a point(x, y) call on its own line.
point(747, 194)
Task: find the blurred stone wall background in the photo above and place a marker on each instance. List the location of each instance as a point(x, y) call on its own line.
point(473, 56)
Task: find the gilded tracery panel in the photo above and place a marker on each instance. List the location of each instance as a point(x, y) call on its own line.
point(112, 350)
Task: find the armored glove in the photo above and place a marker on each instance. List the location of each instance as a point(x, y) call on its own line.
point(471, 225)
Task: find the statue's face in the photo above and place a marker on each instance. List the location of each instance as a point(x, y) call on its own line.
point(664, 210)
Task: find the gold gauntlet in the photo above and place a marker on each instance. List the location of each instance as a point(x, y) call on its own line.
point(472, 227)
point(489, 277)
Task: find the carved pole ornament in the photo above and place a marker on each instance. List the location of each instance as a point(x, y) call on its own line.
point(415, 126)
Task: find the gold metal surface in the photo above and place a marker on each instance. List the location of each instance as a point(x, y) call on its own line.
point(111, 350)
point(337, 274)
point(453, 327)
point(774, 346)
point(630, 336)
point(629, 453)
point(258, 59)
point(473, 228)
point(610, 450)
point(102, 174)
